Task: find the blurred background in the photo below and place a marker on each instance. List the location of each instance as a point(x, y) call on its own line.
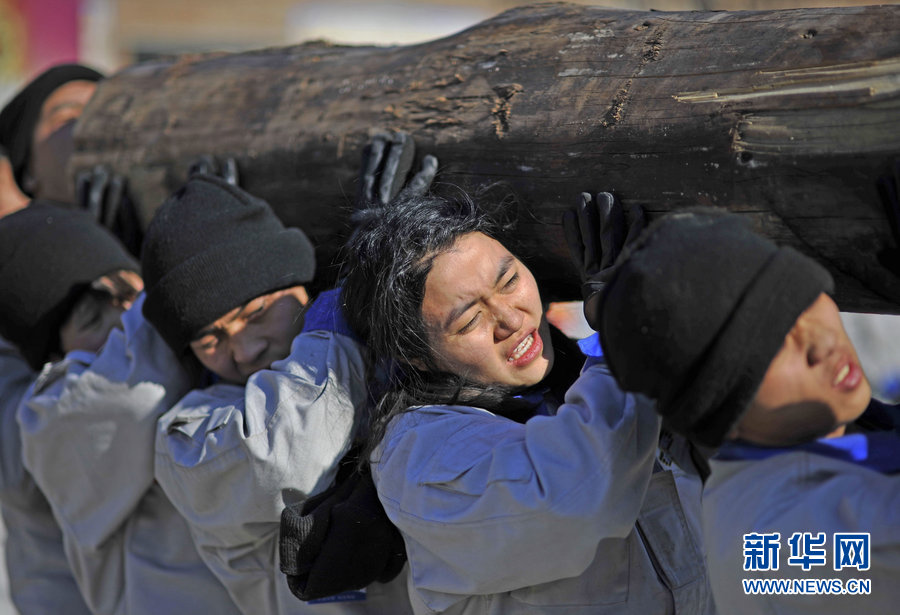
point(111, 34)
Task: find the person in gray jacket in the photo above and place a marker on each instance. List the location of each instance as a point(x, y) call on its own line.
point(518, 484)
point(64, 281)
point(744, 350)
point(226, 286)
point(87, 427)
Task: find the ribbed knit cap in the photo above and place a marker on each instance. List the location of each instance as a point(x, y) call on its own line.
point(211, 247)
point(696, 313)
point(48, 257)
point(21, 115)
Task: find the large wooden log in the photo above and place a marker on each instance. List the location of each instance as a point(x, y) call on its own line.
point(785, 116)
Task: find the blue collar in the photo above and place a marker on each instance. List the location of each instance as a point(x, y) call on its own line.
point(327, 314)
point(592, 350)
point(876, 450)
point(591, 347)
point(541, 398)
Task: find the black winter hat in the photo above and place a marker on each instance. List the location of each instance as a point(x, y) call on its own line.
point(210, 248)
point(21, 115)
point(697, 311)
point(48, 257)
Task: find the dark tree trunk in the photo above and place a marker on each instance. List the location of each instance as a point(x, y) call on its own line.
point(786, 117)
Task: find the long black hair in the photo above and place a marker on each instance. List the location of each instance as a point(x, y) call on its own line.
point(387, 261)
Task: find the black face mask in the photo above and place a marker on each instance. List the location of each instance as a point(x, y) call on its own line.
point(47, 176)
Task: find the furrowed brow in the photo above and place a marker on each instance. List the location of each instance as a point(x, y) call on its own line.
point(502, 270)
point(457, 312)
point(505, 264)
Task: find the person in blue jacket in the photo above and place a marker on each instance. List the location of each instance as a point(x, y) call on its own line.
point(517, 484)
point(743, 348)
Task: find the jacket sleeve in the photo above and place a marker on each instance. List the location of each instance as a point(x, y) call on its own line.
point(231, 458)
point(88, 428)
point(15, 378)
point(542, 495)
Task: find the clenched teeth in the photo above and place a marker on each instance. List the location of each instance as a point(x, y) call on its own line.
point(841, 375)
point(522, 348)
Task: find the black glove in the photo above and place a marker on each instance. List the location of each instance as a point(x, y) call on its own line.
point(207, 165)
point(340, 539)
point(100, 194)
point(597, 231)
point(889, 191)
point(386, 163)
point(104, 195)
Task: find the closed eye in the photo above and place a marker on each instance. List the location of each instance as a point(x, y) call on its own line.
point(88, 314)
point(511, 283)
point(257, 312)
point(469, 325)
point(207, 343)
point(95, 318)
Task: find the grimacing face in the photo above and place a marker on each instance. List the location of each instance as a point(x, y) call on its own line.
point(814, 386)
point(483, 315)
point(253, 336)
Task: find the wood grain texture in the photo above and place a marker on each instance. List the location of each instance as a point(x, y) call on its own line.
point(786, 117)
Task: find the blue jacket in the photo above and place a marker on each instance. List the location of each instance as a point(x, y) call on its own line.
point(564, 512)
point(846, 485)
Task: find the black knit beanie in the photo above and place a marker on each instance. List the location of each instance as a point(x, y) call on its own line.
point(48, 257)
point(21, 115)
point(210, 248)
point(696, 313)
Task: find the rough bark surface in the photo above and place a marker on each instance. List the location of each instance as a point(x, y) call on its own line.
point(786, 117)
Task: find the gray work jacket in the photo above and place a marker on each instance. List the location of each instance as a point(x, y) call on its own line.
point(88, 430)
point(232, 457)
point(40, 580)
